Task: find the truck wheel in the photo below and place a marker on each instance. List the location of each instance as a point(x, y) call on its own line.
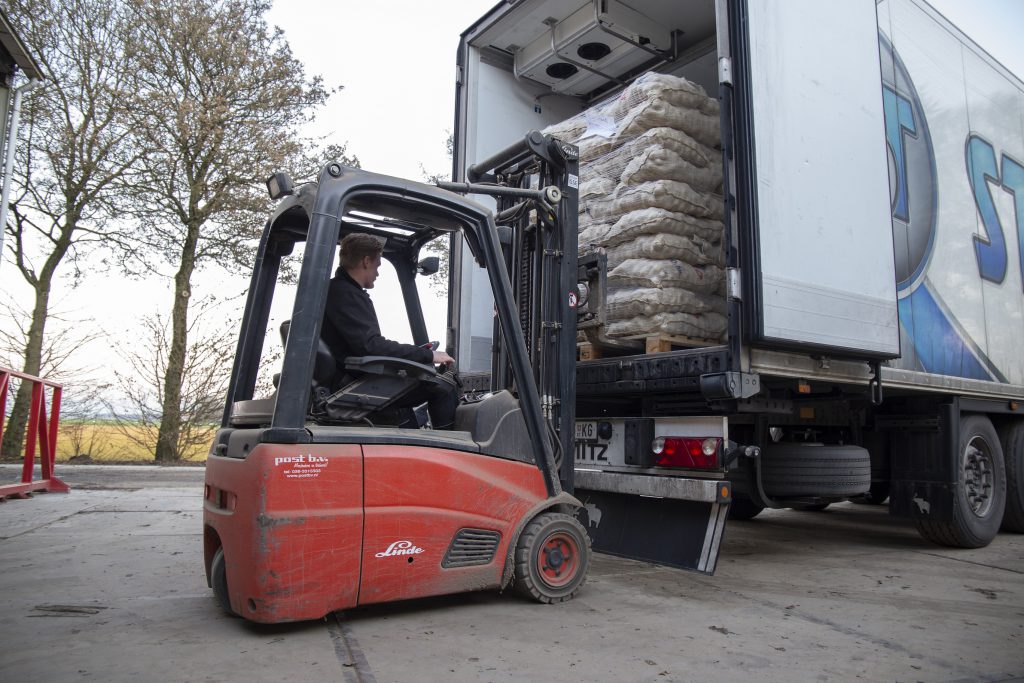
point(744, 508)
point(219, 581)
point(980, 494)
point(800, 469)
point(552, 558)
point(876, 495)
point(1011, 438)
point(812, 507)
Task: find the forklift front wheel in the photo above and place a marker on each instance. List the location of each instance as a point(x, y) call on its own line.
point(219, 581)
point(552, 558)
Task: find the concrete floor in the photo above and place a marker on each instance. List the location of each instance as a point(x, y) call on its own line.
point(106, 584)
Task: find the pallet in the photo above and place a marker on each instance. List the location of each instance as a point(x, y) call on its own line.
point(643, 343)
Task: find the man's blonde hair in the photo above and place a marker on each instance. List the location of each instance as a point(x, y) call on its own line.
point(357, 245)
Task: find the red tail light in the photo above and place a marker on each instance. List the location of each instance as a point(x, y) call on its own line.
point(691, 452)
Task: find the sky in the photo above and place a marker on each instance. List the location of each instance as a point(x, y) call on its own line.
point(395, 61)
point(996, 26)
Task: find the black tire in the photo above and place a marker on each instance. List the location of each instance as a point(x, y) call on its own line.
point(798, 469)
point(744, 508)
point(814, 507)
point(552, 558)
point(876, 495)
point(980, 493)
point(219, 581)
point(1011, 438)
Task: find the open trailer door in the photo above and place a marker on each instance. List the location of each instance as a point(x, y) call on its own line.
point(812, 177)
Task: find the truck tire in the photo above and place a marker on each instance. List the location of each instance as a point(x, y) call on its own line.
point(802, 469)
point(1011, 438)
point(744, 508)
point(552, 558)
point(876, 495)
point(980, 494)
point(811, 507)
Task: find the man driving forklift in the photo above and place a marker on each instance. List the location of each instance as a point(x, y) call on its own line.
point(351, 328)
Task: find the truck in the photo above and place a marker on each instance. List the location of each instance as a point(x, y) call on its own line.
point(869, 208)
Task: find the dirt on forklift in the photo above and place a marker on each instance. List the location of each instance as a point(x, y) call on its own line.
point(315, 502)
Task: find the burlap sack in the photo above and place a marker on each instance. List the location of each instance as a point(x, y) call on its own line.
point(703, 326)
point(661, 273)
point(690, 249)
point(593, 237)
point(654, 113)
point(654, 221)
point(623, 304)
point(675, 91)
point(594, 148)
point(594, 189)
point(670, 195)
point(660, 163)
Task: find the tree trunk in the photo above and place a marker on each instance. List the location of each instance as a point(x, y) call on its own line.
point(169, 436)
point(14, 430)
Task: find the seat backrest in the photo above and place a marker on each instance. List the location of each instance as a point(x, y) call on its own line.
point(325, 368)
point(366, 385)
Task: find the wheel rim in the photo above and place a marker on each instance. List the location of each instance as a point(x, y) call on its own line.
point(979, 477)
point(558, 559)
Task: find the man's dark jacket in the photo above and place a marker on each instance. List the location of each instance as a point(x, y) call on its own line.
point(351, 329)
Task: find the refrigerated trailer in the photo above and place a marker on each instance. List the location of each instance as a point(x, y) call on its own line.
point(872, 251)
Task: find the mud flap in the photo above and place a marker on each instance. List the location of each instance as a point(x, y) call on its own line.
point(679, 533)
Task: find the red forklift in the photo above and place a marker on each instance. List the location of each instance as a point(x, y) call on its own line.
point(315, 500)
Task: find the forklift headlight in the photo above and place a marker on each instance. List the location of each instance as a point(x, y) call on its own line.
point(280, 185)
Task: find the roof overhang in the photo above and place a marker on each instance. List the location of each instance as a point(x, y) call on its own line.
point(12, 44)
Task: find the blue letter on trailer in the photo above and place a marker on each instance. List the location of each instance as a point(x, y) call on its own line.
point(1013, 181)
point(990, 251)
point(899, 121)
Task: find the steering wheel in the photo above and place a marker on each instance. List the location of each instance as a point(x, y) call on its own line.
point(433, 346)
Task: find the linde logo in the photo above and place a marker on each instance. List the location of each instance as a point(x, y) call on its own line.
point(401, 548)
point(294, 459)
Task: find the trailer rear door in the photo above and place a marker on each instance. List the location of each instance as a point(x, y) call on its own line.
point(812, 177)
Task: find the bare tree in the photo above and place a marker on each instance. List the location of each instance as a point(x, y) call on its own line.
point(206, 368)
point(442, 246)
point(219, 100)
point(77, 147)
point(84, 386)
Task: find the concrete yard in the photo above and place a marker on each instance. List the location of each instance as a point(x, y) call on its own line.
point(106, 584)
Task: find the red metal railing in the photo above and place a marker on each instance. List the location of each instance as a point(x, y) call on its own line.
point(41, 431)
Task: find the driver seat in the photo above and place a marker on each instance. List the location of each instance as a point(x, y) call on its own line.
point(370, 384)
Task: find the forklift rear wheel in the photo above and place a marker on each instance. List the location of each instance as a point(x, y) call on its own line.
point(219, 581)
point(552, 558)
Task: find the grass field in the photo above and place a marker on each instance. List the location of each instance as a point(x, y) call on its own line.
point(104, 441)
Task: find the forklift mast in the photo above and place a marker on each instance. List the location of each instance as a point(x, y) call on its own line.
point(535, 183)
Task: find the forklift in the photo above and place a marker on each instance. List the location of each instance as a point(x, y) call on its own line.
point(315, 499)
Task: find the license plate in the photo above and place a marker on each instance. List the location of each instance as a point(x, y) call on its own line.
point(586, 431)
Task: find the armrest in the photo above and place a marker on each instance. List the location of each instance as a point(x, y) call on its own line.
point(389, 365)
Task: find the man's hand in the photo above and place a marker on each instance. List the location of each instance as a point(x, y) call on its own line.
point(442, 358)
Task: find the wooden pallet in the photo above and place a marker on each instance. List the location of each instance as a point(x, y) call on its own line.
point(647, 344)
point(659, 343)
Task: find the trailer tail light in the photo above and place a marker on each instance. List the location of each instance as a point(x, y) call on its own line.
point(694, 453)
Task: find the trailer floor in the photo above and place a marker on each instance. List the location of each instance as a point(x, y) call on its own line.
point(106, 584)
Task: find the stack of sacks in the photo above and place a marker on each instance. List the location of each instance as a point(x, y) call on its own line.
point(650, 184)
